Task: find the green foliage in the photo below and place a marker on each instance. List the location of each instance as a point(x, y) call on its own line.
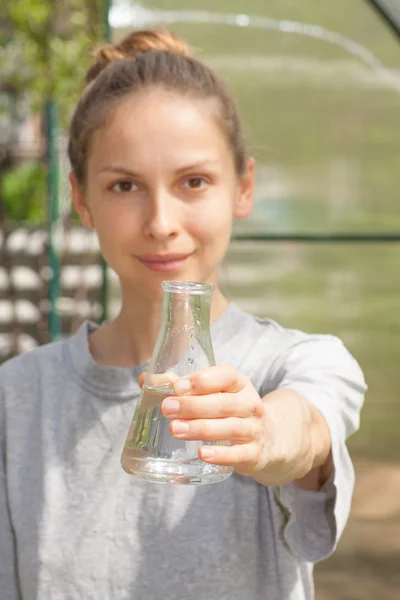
point(48, 51)
point(24, 193)
point(44, 53)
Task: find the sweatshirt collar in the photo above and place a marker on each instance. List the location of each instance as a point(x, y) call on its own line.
point(122, 381)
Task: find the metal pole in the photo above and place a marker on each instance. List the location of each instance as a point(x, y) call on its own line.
point(53, 214)
point(105, 286)
point(369, 238)
point(384, 12)
point(106, 26)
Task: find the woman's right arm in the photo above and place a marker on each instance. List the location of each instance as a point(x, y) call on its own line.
point(9, 589)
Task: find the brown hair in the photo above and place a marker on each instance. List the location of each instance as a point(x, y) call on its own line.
point(145, 58)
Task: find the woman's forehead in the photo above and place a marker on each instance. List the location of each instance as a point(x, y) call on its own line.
point(159, 113)
point(162, 125)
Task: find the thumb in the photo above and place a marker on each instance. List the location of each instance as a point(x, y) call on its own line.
point(141, 378)
point(159, 379)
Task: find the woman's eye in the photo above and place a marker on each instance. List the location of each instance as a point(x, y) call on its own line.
point(124, 186)
point(195, 183)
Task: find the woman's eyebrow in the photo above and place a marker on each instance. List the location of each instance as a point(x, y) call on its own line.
point(117, 169)
point(198, 165)
point(125, 171)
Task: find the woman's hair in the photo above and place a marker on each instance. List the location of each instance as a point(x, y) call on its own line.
point(143, 59)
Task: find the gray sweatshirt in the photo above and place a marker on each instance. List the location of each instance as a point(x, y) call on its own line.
point(75, 526)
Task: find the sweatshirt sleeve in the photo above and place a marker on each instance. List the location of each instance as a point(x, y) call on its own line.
point(321, 369)
point(8, 576)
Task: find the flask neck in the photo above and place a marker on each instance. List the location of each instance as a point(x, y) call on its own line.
point(186, 305)
point(184, 341)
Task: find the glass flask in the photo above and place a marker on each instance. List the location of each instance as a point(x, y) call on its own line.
point(183, 346)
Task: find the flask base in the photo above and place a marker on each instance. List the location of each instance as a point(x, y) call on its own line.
point(193, 472)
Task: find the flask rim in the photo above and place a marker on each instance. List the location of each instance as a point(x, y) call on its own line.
point(187, 287)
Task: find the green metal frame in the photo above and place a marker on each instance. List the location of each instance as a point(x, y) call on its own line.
point(321, 237)
point(53, 177)
point(107, 34)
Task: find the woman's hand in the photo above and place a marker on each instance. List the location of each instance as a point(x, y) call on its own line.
point(273, 439)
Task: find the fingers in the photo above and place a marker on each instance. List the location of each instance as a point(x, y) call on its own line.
point(212, 406)
point(223, 378)
point(232, 429)
point(243, 457)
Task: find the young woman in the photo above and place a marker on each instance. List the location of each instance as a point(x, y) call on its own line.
point(159, 169)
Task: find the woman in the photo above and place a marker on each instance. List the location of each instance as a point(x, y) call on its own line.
point(159, 169)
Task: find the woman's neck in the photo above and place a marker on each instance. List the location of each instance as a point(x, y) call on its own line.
point(129, 339)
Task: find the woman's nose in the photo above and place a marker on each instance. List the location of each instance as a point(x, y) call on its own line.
point(162, 219)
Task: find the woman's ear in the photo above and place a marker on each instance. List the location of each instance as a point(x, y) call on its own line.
point(79, 202)
point(244, 200)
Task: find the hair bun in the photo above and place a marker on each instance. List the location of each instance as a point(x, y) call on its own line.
point(134, 44)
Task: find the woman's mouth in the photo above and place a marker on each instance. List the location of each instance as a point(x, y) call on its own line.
point(163, 262)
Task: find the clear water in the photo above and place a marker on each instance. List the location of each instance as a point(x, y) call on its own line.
point(152, 453)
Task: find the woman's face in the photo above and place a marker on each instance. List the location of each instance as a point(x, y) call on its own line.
point(161, 191)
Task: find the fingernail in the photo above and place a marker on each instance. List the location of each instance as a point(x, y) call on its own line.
point(208, 452)
point(171, 407)
point(180, 427)
point(182, 386)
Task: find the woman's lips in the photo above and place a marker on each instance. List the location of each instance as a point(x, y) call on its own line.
point(163, 263)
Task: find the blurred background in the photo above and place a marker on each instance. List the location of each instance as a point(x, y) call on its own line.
point(318, 84)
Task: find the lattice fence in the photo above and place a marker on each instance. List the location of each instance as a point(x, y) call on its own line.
point(24, 284)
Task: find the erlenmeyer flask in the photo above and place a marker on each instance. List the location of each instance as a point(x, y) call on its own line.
point(183, 346)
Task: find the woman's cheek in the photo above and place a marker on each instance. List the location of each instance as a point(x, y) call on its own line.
point(116, 219)
point(116, 233)
point(213, 218)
